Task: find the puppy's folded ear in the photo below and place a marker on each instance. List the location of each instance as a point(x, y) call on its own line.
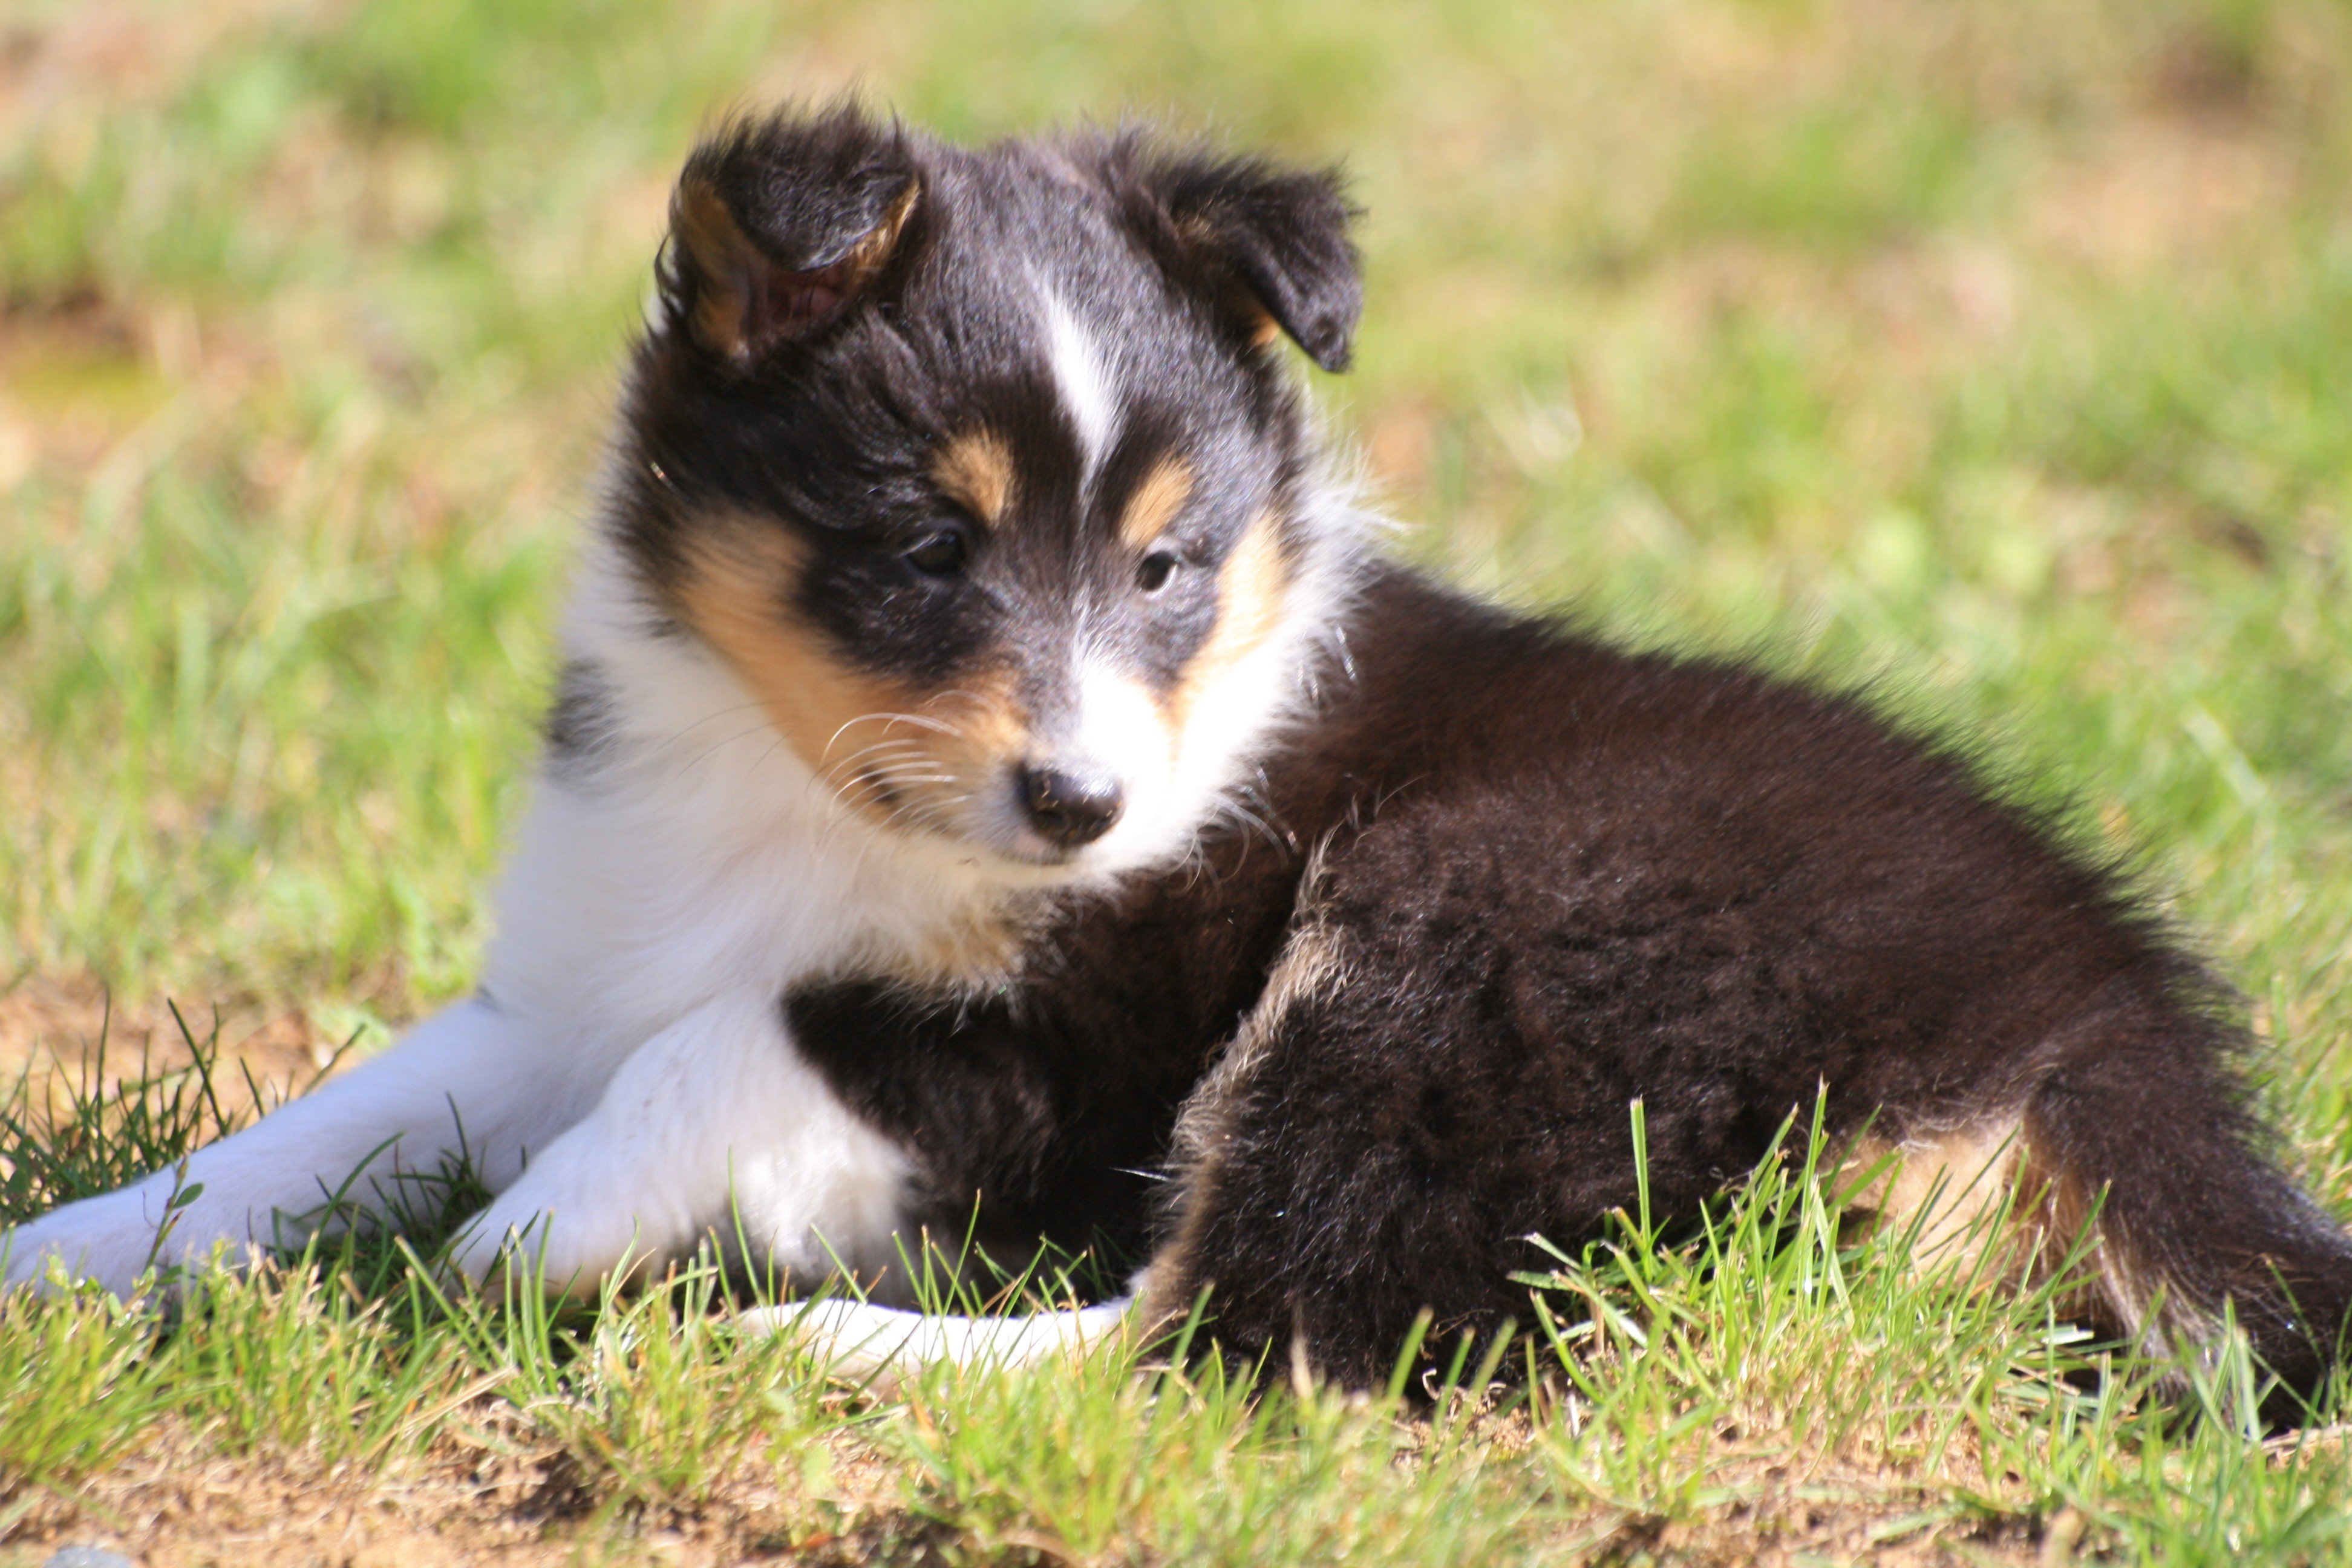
point(779, 226)
point(1269, 244)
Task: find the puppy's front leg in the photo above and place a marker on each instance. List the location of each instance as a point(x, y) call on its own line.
point(471, 1078)
point(717, 1124)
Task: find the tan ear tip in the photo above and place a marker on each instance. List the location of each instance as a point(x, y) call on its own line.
point(880, 241)
point(702, 222)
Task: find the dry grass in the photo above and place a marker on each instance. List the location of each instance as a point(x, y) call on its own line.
point(485, 1496)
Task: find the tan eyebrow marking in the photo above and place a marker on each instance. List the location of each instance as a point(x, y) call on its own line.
point(1155, 503)
point(975, 471)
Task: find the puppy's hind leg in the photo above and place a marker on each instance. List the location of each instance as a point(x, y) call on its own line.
point(1328, 1185)
point(467, 1079)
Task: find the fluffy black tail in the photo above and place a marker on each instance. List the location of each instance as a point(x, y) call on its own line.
point(2146, 1127)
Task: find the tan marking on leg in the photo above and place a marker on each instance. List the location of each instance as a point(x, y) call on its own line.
point(975, 471)
point(1950, 1184)
point(1154, 503)
point(1250, 590)
point(1988, 1205)
point(2123, 1294)
point(1991, 1205)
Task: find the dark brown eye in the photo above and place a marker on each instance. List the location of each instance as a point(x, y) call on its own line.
point(942, 555)
point(1157, 568)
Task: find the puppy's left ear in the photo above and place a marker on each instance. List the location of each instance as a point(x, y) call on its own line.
point(1270, 244)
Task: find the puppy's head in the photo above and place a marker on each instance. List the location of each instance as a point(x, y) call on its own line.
point(981, 471)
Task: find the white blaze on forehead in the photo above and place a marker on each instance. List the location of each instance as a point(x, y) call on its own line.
point(1088, 392)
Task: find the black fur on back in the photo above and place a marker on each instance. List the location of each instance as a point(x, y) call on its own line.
point(1551, 879)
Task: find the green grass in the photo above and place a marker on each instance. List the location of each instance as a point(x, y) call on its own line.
point(1767, 1371)
point(1990, 351)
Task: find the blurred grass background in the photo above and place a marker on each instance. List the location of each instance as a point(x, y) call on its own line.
point(1989, 347)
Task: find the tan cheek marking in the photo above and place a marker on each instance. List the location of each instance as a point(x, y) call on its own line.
point(1156, 502)
point(736, 594)
point(987, 728)
point(904, 757)
point(975, 471)
point(1250, 587)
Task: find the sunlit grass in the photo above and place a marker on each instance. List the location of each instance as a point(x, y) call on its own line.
point(1683, 1384)
point(1987, 353)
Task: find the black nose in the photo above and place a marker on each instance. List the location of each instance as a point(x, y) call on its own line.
point(1069, 808)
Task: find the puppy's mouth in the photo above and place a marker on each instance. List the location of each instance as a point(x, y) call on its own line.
point(1033, 817)
point(971, 773)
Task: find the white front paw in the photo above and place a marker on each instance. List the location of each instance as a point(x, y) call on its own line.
point(569, 1245)
point(114, 1239)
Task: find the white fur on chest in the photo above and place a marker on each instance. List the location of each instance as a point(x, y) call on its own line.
point(700, 854)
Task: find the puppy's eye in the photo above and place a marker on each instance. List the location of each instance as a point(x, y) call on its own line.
point(942, 554)
point(1157, 568)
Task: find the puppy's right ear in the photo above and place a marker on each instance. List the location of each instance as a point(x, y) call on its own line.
point(779, 226)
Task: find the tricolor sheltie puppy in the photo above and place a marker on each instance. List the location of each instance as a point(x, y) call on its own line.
point(995, 786)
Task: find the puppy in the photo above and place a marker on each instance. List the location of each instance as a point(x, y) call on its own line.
point(995, 787)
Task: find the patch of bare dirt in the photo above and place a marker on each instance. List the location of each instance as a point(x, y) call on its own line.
point(1841, 1520)
point(174, 1505)
point(2164, 189)
point(51, 1027)
point(471, 1501)
point(184, 1509)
